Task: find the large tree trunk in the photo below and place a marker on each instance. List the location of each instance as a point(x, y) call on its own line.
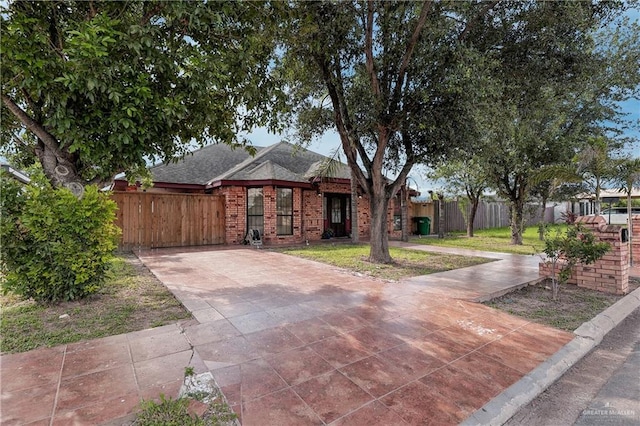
point(379, 252)
point(472, 216)
point(517, 221)
point(355, 231)
point(630, 221)
point(57, 163)
point(598, 203)
point(440, 217)
point(404, 211)
point(543, 209)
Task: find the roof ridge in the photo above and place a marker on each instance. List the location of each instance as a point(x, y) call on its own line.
point(244, 164)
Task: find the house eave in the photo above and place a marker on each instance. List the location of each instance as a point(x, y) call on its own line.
point(317, 180)
point(119, 184)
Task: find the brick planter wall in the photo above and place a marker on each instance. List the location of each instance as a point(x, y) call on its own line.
point(609, 274)
point(545, 270)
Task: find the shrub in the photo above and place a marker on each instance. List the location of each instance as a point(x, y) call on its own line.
point(55, 247)
point(569, 218)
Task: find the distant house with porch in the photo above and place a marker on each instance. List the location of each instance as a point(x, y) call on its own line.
point(279, 191)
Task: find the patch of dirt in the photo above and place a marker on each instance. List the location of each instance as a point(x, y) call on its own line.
point(575, 305)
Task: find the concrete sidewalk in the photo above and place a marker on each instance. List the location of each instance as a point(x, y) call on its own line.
point(291, 341)
point(480, 282)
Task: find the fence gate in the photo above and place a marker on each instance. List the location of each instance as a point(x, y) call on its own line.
point(152, 220)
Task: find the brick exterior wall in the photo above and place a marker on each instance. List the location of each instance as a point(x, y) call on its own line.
point(308, 217)
point(235, 208)
point(609, 274)
point(635, 241)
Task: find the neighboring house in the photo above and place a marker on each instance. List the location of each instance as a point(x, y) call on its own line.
point(280, 191)
point(15, 174)
point(585, 203)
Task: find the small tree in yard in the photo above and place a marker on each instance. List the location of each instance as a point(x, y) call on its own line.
point(564, 251)
point(465, 176)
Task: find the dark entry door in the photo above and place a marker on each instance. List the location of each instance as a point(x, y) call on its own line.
point(337, 214)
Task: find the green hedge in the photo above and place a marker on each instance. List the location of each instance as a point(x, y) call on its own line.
point(55, 247)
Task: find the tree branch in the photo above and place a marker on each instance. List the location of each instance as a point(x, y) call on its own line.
point(424, 12)
point(55, 40)
point(150, 13)
point(473, 22)
point(92, 11)
point(368, 49)
point(344, 129)
point(29, 99)
point(47, 138)
point(33, 149)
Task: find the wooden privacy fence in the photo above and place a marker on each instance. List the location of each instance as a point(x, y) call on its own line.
point(490, 214)
point(151, 220)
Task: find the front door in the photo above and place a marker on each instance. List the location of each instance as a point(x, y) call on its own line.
point(337, 214)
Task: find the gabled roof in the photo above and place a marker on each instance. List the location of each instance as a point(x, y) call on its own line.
point(267, 171)
point(220, 164)
point(299, 162)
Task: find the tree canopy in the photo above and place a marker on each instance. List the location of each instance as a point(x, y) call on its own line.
point(92, 89)
point(464, 177)
point(557, 86)
point(393, 78)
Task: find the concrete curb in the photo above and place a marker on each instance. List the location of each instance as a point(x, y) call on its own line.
point(587, 336)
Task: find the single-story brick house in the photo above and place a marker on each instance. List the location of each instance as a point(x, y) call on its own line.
point(277, 191)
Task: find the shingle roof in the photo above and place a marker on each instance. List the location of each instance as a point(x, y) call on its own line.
point(201, 165)
point(268, 171)
point(282, 161)
point(297, 161)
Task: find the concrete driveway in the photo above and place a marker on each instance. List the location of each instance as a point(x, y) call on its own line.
point(295, 342)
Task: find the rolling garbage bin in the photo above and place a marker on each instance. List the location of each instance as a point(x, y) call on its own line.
point(424, 225)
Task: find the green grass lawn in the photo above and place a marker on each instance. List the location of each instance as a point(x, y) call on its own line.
point(495, 240)
point(407, 263)
point(132, 299)
point(575, 305)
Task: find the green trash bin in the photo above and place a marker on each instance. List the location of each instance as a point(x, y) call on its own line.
point(424, 225)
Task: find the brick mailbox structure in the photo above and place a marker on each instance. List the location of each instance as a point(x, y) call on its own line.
point(635, 241)
point(610, 274)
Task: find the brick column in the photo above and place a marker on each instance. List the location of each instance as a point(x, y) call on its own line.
point(635, 241)
point(611, 273)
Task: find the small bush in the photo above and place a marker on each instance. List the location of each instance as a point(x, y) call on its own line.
point(569, 218)
point(577, 245)
point(55, 247)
